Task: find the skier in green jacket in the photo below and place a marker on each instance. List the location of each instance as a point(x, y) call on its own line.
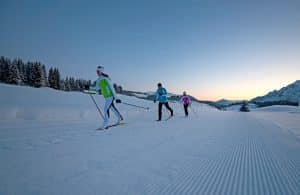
point(104, 85)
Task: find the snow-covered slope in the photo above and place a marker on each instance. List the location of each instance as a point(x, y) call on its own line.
point(289, 93)
point(19, 102)
point(49, 145)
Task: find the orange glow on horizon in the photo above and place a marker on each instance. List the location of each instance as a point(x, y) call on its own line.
point(241, 91)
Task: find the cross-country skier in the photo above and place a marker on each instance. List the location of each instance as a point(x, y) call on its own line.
point(186, 101)
point(104, 84)
point(161, 97)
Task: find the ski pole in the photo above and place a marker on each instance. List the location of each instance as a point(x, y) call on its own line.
point(97, 106)
point(146, 108)
point(194, 111)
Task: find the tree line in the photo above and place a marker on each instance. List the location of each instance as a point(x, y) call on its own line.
point(34, 74)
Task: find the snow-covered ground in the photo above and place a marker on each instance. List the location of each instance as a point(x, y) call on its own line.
point(49, 145)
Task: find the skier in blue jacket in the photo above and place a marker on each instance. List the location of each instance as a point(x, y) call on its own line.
point(161, 97)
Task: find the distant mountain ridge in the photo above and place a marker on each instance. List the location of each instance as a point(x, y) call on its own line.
point(289, 94)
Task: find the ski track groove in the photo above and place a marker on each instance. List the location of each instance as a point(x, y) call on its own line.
point(294, 176)
point(182, 182)
point(210, 178)
point(201, 177)
point(228, 177)
point(203, 180)
point(254, 172)
point(279, 180)
point(195, 176)
point(219, 181)
point(195, 173)
point(198, 179)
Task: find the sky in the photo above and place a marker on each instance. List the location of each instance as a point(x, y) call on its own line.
point(211, 49)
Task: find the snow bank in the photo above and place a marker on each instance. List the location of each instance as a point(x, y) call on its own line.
point(27, 103)
point(43, 103)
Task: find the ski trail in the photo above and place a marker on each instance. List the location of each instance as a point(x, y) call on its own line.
point(251, 166)
point(220, 153)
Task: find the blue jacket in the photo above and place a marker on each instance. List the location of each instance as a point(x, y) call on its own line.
point(161, 95)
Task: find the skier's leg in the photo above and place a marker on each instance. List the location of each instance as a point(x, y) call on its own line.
point(169, 108)
point(159, 110)
point(186, 110)
point(108, 102)
point(117, 113)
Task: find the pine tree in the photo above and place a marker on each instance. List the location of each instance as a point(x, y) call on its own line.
point(28, 75)
point(62, 85)
point(77, 85)
point(72, 83)
point(67, 84)
point(44, 77)
point(13, 76)
point(2, 62)
point(37, 80)
point(4, 65)
point(57, 78)
point(52, 78)
point(21, 68)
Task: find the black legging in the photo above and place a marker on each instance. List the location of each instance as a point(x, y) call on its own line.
point(113, 105)
point(186, 109)
point(160, 104)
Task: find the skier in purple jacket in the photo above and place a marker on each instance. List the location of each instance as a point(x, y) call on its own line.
point(186, 101)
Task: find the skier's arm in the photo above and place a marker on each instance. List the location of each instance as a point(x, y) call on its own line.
point(181, 99)
point(114, 92)
point(95, 86)
point(156, 96)
point(190, 101)
point(92, 87)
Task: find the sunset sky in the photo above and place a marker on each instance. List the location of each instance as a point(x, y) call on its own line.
point(211, 49)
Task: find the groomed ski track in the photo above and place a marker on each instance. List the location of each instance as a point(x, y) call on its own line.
point(213, 153)
point(49, 145)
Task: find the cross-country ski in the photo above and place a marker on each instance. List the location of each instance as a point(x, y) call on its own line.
point(109, 126)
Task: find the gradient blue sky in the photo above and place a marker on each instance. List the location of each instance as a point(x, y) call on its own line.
point(211, 49)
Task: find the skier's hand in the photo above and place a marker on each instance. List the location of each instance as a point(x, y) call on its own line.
point(118, 101)
point(154, 101)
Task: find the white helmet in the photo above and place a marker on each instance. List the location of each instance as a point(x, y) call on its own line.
point(100, 68)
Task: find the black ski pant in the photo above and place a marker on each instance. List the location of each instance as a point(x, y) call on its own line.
point(160, 104)
point(186, 109)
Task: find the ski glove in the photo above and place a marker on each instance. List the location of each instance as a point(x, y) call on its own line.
point(118, 101)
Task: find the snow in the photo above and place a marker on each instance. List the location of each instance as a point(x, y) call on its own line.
point(49, 145)
point(287, 118)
